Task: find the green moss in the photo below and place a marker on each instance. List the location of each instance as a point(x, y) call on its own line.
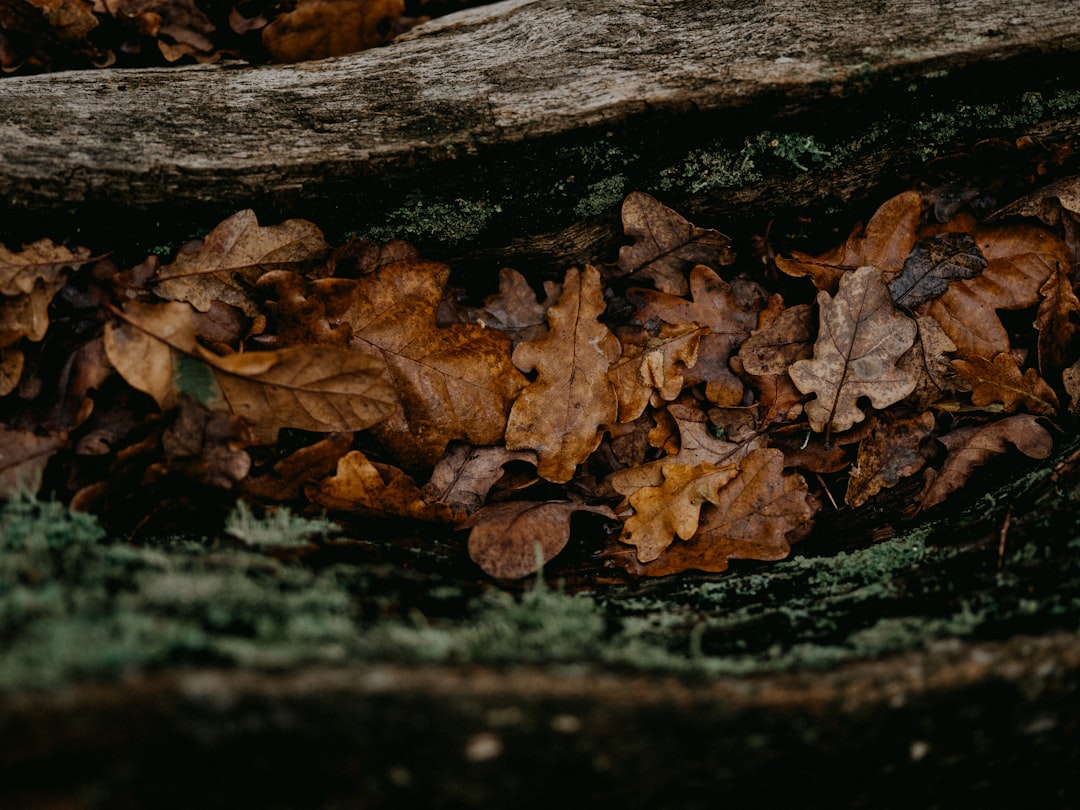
point(452, 222)
point(602, 196)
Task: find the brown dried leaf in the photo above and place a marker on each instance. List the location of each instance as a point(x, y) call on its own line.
point(729, 317)
point(697, 445)
point(967, 310)
point(12, 362)
point(316, 29)
point(1055, 322)
point(380, 490)
point(893, 450)
point(1002, 381)
point(454, 382)
point(225, 265)
point(318, 388)
point(504, 536)
point(289, 477)
point(23, 456)
point(307, 387)
point(562, 413)
point(652, 366)
point(666, 245)
point(861, 337)
point(671, 510)
point(28, 281)
point(972, 447)
point(928, 359)
point(885, 243)
point(462, 478)
point(1070, 379)
point(783, 336)
point(933, 264)
point(757, 515)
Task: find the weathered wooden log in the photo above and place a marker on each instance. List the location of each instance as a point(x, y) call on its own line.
point(513, 131)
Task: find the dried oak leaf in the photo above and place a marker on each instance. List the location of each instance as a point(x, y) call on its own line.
point(729, 316)
point(697, 445)
point(28, 281)
point(972, 447)
point(504, 536)
point(453, 382)
point(929, 360)
point(783, 336)
point(1070, 380)
point(885, 243)
point(1020, 260)
point(861, 336)
point(894, 449)
point(316, 29)
point(1055, 321)
point(23, 456)
point(514, 309)
point(1001, 380)
point(225, 265)
point(562, 414)
point(308, 387)
point(375, 489)
point(464, 475)
point(757, 515)
point(287, 479)
point(652, 365)
point(672, 509)
point(12, 362)
point(666, 245)
point(933, 264)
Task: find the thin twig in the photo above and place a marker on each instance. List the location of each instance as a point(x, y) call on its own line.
point(825, 487)
point(1001, 538)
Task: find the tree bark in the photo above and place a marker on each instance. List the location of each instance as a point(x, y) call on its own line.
point(511, 132)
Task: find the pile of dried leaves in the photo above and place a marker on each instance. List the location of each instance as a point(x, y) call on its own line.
point(701, 415)
point(41, 35)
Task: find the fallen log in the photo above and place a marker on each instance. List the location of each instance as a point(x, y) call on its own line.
point(510, 133)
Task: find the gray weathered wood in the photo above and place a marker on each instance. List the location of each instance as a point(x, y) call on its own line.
point(432, 113)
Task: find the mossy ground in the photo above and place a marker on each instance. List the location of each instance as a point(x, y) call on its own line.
point(76, 604)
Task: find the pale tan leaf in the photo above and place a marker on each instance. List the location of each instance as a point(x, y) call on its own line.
point(861, 336)
point(672, 509)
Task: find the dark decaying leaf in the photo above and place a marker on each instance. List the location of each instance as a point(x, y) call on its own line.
point(504, 536)
point(933, 264)
point(972, 447)
point(666, 246)
point(894, 449)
